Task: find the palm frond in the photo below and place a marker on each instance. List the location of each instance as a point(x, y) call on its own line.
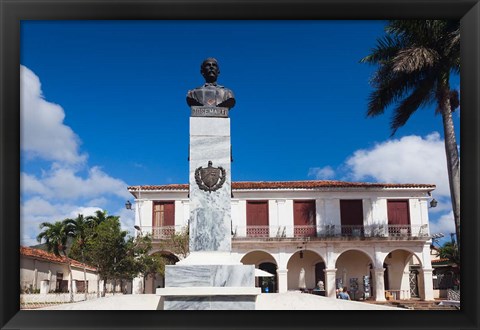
point(391, 89)
point(422, 95)
point(386, 48)
point(414, 59)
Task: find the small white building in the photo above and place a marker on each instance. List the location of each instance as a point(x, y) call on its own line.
point(38, 265)
point(363, 236)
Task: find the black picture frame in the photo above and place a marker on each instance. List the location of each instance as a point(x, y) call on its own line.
point(13, 12)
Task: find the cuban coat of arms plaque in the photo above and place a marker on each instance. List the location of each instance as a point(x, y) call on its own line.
point(210, 178)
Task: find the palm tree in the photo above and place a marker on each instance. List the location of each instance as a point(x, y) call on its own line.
point(99, 217)
point(415, 59)
point(79, 229)
point(55, 236)
point(449, 251)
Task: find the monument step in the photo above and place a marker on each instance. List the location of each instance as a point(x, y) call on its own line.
point(208, 291)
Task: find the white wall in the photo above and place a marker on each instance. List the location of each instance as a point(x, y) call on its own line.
point(33, 271)
point(280, 206)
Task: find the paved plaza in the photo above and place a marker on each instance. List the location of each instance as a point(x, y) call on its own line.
point(265, 301)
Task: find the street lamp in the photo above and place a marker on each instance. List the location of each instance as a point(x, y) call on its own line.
point(436, 237)
point(433, 203)
point(137, 227)
point(128, 205)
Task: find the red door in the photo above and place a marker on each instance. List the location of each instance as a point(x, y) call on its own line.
point(351, 217)
point(304, 213)
point(257, 219)
point(398, 217)
point(163, 219)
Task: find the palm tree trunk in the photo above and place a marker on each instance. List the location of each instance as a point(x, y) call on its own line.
point(84, 275)
point(98, 284)
point(453, 162)
point(71, 279)
point(104, 287)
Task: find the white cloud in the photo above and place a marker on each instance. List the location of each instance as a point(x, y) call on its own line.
point(321, 173)
point(66, 183)
point(411, 159)
point(37, 206)
point(36, 210)
point(69, 186)
point(43, 133)
point(444, 224)
point(29, 184)
point(127, 219)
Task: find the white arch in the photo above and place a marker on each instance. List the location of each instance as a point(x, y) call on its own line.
point(347, 249)
point(310, 250)
point(275, 260)
point(164, 252)
point(418, 255)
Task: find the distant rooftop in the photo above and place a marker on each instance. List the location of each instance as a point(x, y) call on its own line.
point(47, 256)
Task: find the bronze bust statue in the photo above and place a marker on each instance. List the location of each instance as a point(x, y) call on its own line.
point(211, 94)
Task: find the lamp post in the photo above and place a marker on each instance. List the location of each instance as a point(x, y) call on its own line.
point(128, 206)
point(436, 237)
point(139, 229)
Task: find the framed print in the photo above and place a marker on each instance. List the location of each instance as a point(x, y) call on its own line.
point(99, 77)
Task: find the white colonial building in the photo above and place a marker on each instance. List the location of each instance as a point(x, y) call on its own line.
point(37, 266)
point(44, 272)
point(314, 236)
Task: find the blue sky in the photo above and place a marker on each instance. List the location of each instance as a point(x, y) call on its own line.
point(103, 107)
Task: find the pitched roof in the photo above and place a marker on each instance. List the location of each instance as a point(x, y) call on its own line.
point(47, 256)
point(313, 184)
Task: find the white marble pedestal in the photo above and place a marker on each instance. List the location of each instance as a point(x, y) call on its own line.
point(209, 278)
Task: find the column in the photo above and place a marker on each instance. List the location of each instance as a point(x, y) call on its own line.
point(379, 284)
point(74, 286)
point(137, 285)
point(405, 294)
point(282, 280)
point(35, 274)
point(330, 275)
point(44, 286)
point(210, 210)
point(427, 284)
point(281, 222)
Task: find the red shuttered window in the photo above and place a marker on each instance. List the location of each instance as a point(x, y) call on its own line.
point(257, 219)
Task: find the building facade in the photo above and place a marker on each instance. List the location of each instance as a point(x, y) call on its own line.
point(314, 236)
point(37, 265)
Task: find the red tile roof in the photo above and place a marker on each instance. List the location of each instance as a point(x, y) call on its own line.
point(293, 185)
point(47, 256)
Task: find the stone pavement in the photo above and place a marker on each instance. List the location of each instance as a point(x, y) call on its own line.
point(294, 300)
point(266, 301)
point(115, 302)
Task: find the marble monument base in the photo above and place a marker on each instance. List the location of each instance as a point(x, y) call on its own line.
point(209, 258)
point(209, 287)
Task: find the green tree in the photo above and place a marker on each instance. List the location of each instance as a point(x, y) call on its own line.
point(449, 251)
point(100, 216)
point(55, 236)
point(177, 243)
point(415, 60)
point(144, 263)
point(81, 229)
point(106, 248)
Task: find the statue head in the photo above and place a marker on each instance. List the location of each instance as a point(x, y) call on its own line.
point(210, 70)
